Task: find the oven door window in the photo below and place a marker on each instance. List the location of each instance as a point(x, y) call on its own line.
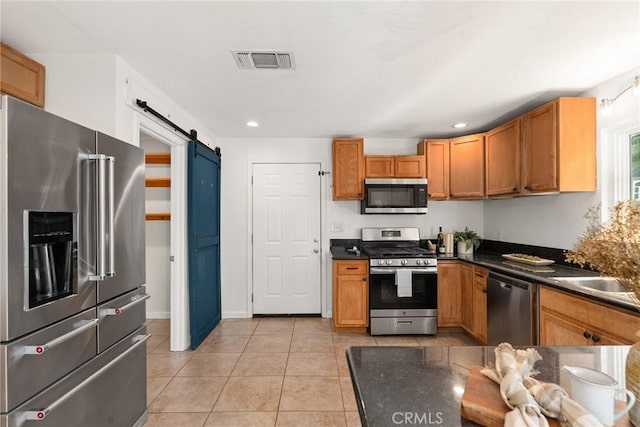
point(383, 292)
point(395, 196)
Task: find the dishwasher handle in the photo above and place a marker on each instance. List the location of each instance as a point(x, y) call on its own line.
point(508, 282)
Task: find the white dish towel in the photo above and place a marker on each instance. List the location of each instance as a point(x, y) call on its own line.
point(403, 282)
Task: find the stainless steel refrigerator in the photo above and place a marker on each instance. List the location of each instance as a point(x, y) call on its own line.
point(72, 273)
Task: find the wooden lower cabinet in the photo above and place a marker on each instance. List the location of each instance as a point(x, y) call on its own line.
point(350, 295)
point(466, 276)
point(449, 294)
point(568, 319)
point(479, 303)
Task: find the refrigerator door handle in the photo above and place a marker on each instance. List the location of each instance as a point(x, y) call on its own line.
point(110, 269)
point(104, 220)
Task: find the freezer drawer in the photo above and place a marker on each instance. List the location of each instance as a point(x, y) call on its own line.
point(108, 391)
point(121, 316)
point(32, 363)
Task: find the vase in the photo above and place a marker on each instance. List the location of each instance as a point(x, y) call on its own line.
point(632, 379)
point(462, 248)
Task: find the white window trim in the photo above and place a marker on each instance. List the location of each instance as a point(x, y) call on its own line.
point(615, 172)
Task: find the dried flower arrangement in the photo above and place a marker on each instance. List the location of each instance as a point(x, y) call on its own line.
point(612, 249)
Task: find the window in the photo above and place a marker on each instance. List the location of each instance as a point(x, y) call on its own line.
point(619, 174)
point(634, 165)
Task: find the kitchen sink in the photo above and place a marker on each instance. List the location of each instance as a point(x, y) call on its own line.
point(596, 283)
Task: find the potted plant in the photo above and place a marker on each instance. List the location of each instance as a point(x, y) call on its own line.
point(467, 241)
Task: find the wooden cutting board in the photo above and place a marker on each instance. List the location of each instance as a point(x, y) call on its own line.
point(482, 403)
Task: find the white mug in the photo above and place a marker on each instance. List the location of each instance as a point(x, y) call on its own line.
point(596, 392)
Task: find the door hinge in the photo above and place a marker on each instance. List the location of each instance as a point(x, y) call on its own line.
point(323, 173)
point(251, 297)
point(252, 238)
point(251, 179)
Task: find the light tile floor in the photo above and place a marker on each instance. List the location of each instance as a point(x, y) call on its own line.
point(261, 372)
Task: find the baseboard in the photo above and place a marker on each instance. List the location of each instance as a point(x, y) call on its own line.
point(158, 315)
point(236, 315)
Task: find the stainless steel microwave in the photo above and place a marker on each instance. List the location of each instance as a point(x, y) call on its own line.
point(395, 196)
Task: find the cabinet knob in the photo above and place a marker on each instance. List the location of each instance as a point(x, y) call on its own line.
point(586, 334)
point(526, 187)
point(595, 338)
point(364, 279)
point(515, 189)
point(484, 291)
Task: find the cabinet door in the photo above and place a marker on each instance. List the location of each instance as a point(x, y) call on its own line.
point(379, 167)
point(480, 307)
point(541, 149)
point(410, 167)
point(21, 76)
point(502, 157)
point(449, 294)
point(467, 166)
point(560, 330)
point(466, 276)
point(348, 169)
point(436, 152)
point(351, 301)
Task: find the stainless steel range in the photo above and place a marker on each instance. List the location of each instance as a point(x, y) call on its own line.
point(403, 282)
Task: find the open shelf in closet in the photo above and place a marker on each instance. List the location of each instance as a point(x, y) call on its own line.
point(158, 159)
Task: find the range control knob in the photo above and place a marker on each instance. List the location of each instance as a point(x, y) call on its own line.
point(388, 262)
point(380, 262)
point(403, 262)
point(419, 261)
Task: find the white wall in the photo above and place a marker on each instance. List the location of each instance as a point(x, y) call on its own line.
point(239, 153)
point(81, 88)
point(558, 220)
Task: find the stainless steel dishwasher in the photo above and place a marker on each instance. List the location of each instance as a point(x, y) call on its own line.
point(512, 308)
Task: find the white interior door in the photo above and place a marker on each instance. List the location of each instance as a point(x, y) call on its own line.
point(286, 238)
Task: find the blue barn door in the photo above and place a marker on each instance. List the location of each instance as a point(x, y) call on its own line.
point(203, 195)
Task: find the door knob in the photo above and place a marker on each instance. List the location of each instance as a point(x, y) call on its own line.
point(315, 251)
point(315, 240)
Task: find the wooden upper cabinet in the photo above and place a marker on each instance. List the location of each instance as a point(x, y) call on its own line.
point(348, 169)
point(502, 159)
point(436, 153)
point(21, 76)
point(560, 146)
point(467, 167)
point(394, 167)
point(410, 167)
point(379, 167)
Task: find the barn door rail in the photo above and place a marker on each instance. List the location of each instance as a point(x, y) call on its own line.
point(192, 134)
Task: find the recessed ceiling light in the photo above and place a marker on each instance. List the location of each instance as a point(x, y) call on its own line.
point(460, 125)
point(252, 124)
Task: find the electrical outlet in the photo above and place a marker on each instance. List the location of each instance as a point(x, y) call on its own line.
point(336, 228)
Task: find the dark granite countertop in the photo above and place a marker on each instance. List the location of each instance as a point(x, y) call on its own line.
point(426, 383)
point(544, 275)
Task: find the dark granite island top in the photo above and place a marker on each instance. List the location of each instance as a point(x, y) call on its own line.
point(424, 385)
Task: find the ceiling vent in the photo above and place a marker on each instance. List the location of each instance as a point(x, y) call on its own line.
point(252, 60)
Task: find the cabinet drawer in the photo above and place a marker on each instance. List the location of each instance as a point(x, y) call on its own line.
point(36, 361)
point(120, 317)
point(352, 267)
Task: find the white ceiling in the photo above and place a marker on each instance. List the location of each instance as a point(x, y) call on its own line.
point(364, 68)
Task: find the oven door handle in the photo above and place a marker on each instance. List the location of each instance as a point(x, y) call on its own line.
point(378, 270)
